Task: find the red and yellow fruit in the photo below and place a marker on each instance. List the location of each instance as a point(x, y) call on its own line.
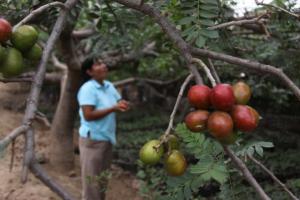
point(5, 30)
point(245, 118)
point(222, 97)
point(196, 121)
point(198, 96)
point(242, 92)
point(220, 124)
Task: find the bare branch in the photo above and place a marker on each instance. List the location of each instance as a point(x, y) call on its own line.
point(14, 80)
point(172, 116)
point(84, 33)
point(251, 65)
point(277, 7)
point(246, 173)
point(270, 173)
point(39, 172)
point(43, 118)
point(240, 22)
point(207, 71)
point(38, 11)
point(28, 154)
point(213, 71)
point(12, 135)
point(150, 81)
point(57, 63)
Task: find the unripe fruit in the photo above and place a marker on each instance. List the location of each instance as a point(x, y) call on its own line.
point(150, 155)
point(2, 54)
point(5, 30)
point(13, 64)
point(175, 163)
point(198, 96)
point(24, 37)
point(245, 118)
point(222, 97)
point(173, 142)
point(220, 124)
point(34, 53)
point(196, 121)
point(242, 92)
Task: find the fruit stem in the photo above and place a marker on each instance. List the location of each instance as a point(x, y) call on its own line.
point(206, 69)
point(164, 138)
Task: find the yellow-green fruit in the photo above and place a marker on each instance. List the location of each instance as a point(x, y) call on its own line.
point(175, 163)
point(149, 154)
point(173, 142)
point(34, 53)
point(13, 64)
point(242, 92)
point(24, 37)
point(2, 54)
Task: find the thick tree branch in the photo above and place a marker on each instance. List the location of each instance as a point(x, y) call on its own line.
point(15, 80)
point(168, 28)
point(251, 65)
point(38, 11)
point(13, 135)
point(271, 174)
point(246, 173)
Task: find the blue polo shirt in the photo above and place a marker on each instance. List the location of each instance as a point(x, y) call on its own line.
point(101, 96)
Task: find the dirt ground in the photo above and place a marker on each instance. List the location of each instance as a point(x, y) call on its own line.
point(122, 184)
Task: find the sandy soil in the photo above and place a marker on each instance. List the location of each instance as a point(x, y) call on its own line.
point(122, 185)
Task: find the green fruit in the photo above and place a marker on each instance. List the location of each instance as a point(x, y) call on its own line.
point(34, 53)
point(24, 37)
point(150, 155)
point(13, 64)
point(175, 163)
point(2, 54)
point(173, 142)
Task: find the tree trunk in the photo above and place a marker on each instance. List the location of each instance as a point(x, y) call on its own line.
point(62, 152)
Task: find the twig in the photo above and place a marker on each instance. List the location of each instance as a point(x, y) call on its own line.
point(171, 122)
point(57, 63)
point(84, 33)
point(28, 154)
point(15, 80)
point(246, 173)
point(277, 7)
point(271, 174)
point(43, 118)
point(12, 155)
point(12, 135)
point(37, 12)
point(207, 71)
point(239, 22)
point(213, 71)
point(254, 65)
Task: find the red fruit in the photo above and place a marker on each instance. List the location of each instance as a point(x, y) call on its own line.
point(222, 97)
point(5, 30)
point(242, 92)
point(220, 124)
point(196, 121)
point(198, 96)
point(245, 118)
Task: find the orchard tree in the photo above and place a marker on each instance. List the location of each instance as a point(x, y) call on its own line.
point(158, 39)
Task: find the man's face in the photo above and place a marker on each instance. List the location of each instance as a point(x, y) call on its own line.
point(98, 71)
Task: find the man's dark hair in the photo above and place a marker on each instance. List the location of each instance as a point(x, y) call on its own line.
point(86, 65)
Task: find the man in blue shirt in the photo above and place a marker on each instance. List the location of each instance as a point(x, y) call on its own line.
point(98, 100)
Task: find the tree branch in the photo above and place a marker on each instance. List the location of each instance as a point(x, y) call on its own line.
point(38, 11)
point(14, 80)
point(169, 29)
point(278, 8)
point(271, 174)
point(239, 22)
point(251, 65)
point(84, 33)
point(12, 135)
point(206, 69)
point(246, 173)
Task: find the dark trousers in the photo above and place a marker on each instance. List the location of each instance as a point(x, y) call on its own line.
point(95, 158)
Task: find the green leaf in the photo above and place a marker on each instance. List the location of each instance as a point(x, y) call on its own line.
point(266, 144)
point(250, 151)
point(206, 14)
point(188, 31)
point(259, 150)
point(207, 22)
point(187, 191)
point(212, 8)
point(200, 42)
point(212, 34)
point(213, 2)
point(186, 20)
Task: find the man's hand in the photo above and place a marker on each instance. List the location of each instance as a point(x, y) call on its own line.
point(122, 106)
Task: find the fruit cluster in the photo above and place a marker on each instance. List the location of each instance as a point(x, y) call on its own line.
point(17, 48)
point(221, 110)
point(174, 162)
